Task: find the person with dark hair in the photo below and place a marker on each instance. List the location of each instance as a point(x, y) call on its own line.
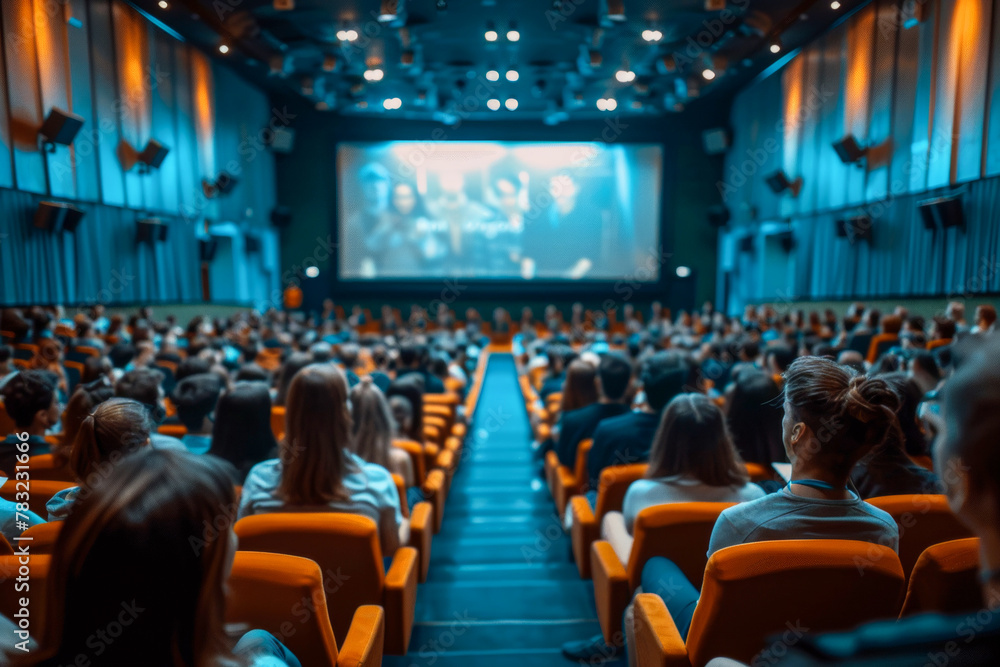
point(121, 355)
point(943, 329)
point(126, 553)
point(888, 470)
point(241, 431)
point(614, 378)
point(95, 368)
point(295, 362)
point(195, 397)
point(145, 385)
point(81, 405)
point(117, 427)
point(413, 361)
point(778, 359)
point(754, 417)
point(628, 438)
point(402, 417)
point(32, 401)
point(986, 317)
point(833, 417)
point(924, 370)
point(316, 471)
point(580, 386)
point(411, 389)
point(192, 366)
point(559, 358)
point(692, 460)
point(967, 456)
point(252, 373)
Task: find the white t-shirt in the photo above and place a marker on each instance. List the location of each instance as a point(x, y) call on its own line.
point(644, 493)
point(370, 488)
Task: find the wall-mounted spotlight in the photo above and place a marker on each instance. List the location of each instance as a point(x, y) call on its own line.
point(779, 182)
point(148, 230)
point(775, 46)
point(625, 76)
point(60, 127)
point(347, 35)
point(392, 11)
point(607, 104)
point(223, 49)
point(222, 185)
point(374, 74)
point(652, 35)
point(849, 150)
point(152, 156)
point(55, 216)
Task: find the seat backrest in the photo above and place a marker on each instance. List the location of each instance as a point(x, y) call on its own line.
point(173, 430)
point(679, 532)
point(39, 492)
point(37, 582)
point(446, 398)
point(48, 467)
point(614, 484)
point(416, 452)
point(759, 472)
point(283, 595)
point(278, 421)
point(752, 591)
point(346, 547)
point(923, 520)
point(945, 579)
point(43, 537)
point(401, 490)
point(580, 466)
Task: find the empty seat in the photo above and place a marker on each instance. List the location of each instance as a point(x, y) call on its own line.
point(945, 579)
point(753, 591)
point(346, 547)
point(679, 532)
point(586, 524)
point(924, 520)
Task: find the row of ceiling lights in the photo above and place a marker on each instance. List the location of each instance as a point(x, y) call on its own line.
point(513, 35)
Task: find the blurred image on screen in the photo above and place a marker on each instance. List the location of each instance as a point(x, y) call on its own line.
point(500, 210)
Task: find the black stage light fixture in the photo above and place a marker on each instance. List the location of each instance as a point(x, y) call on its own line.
point(849, 150)
point(60, 127)
point(57, 216)
point(152, 156)
point(942, 212)
point(854, 228)
point(779, 182)
point(786, 240)
point(148, 230)
point(223, 184)
point(746, 243)
point(281, 216)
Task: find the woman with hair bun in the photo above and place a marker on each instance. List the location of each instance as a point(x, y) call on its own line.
point(372, 428)
point(833, 417)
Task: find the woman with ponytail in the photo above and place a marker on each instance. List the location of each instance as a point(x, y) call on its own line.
point(116, 428)
point(372, 430)
point(833, 417)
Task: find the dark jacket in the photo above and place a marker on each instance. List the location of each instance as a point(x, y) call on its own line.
point(621, 440)
point(578, 425)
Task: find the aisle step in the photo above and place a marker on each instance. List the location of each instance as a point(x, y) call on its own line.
point(513, 571)
point(502, 599)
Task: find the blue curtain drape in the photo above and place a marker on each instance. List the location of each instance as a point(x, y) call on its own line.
point(100, 262)
point(903, 258)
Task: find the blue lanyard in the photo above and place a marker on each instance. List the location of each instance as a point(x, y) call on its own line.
point(816, 484)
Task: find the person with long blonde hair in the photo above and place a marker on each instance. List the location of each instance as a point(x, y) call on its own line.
point(372, 428)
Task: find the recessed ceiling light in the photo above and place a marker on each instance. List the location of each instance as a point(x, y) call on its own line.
point(652, 35)
point(163, 4)
point(834, 5)
point(511, 104)
point(625, 76)
point(512, 75)
point(493, 104)
point(492, 75)
point(775, 47)
point(491, 35)
point(708, 74)
point(513, 35)
point(612, 104)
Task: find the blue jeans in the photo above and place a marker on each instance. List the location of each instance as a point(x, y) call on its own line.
point(664, 578)
point(260, 647)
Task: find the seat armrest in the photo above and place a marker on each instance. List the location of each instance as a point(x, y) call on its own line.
point(434, 492)
point(567, 486)
point(551, 465)
point(431, 452)
point(363, 645)
point(584, 532)
point(611, 590)
point(658, 643)
point(400, 600)
point(421, 531)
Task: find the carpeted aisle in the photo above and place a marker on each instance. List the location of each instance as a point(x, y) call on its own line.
point(502, 588)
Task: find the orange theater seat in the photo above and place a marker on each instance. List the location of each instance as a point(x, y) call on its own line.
point(879, 345)
point(586, 524)
point(278, 422)
point(679, 532)
point(173, 430)
point(923, 520)
point(421, 526)
point(38, 492)
point(435, 491)
point(945, 580)
point(50, 467)
point(284, 595)
point(5, 548)
point(753, 591)
point(416, 453)
point(38, 586)
point(346, 547)
point(43, 537)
